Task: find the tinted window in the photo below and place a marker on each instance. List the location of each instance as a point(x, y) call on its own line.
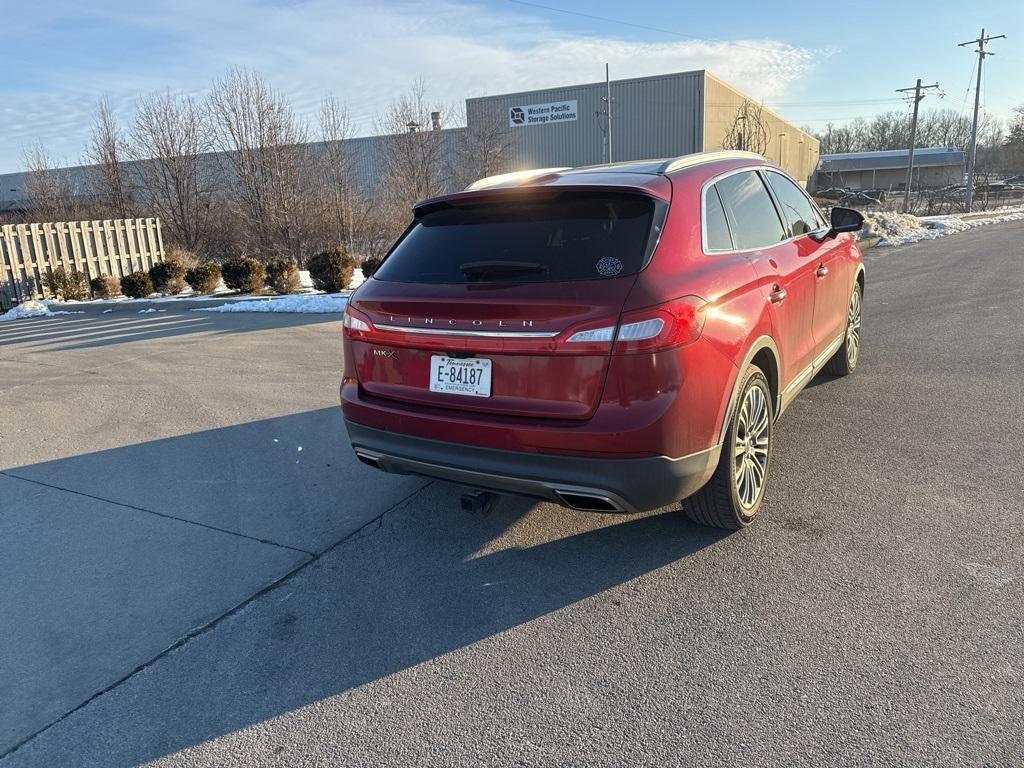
point(755, 223)
point(575, 236)
point(800, 214)
point(715, 223)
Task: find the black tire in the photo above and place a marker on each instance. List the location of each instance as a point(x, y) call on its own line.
point(719, 502)
point(844, 361)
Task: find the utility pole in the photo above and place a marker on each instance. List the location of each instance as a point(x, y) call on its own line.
point(608, 108)
point(913, 137)
point(973, 151)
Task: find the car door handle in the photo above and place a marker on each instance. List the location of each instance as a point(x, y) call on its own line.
point(777, 296)
point(821, 271)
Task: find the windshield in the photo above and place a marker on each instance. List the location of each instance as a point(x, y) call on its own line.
point(575, 236)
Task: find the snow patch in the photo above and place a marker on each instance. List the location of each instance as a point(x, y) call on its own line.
point(904, 228)
point(317, 303)
point(33, 309)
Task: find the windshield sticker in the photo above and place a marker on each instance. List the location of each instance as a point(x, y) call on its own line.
point(609, 267)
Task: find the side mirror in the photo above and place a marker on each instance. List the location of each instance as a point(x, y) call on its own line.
point(845, 220)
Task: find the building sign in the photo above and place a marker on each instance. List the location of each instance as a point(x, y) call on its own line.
point(540, 114)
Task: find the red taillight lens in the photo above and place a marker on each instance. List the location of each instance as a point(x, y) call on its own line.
point(664, 326)
point(356, 324)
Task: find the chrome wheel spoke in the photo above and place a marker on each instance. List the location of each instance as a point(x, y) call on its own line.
point(757, 472)
point(762, 425)
point(853, 329)
point(753, 425)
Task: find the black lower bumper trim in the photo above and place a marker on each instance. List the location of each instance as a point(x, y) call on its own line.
point(629, 485)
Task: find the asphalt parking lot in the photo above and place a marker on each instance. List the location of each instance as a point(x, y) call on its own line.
point(196, 571)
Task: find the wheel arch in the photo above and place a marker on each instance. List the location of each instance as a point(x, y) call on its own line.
point(764, 353)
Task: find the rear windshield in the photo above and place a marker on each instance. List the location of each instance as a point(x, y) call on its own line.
point(575, 236)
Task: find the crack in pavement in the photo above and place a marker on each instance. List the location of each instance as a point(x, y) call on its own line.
point(358, 534)
point(9, 473)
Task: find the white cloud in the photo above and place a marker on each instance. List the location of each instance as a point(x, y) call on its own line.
point(363, 54)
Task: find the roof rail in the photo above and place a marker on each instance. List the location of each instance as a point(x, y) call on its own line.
point(516, 177)
point(700, 158)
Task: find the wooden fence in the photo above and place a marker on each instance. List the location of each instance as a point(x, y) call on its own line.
point(114, 247)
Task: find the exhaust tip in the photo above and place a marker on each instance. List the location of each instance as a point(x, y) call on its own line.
point(587, 502)
point(372, 461)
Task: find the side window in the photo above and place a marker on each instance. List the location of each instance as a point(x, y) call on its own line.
point(755, 222)
point(715, 224)
point(798, 210)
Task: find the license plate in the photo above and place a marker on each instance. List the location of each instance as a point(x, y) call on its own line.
point(460, 375)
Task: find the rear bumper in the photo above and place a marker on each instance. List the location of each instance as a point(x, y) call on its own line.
point(598, 484)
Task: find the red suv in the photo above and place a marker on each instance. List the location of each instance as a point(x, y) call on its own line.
point(613, 338)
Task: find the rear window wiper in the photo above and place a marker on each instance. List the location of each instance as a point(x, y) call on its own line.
point(481, 268)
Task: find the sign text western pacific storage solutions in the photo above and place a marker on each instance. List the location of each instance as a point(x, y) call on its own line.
point(539, 114)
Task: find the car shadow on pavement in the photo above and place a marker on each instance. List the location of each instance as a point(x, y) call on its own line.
point(90, 330)
point(414, 584)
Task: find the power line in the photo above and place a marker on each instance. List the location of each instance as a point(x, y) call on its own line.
point(595, 17)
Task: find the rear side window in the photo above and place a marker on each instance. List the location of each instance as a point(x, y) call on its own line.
point(574, 236)
point(752, 215)
point(800, 214)
point(715, 224)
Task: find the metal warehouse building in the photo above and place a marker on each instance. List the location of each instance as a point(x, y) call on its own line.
point(933, 167)
point(652, 117)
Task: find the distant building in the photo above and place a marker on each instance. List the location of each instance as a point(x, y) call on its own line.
point(654, 117)
point(933, 167)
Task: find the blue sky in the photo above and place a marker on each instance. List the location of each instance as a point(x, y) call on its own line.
point(810, 61)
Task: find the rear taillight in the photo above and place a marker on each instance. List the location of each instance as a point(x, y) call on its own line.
point(673, 324)
point(664, 326)
point(356, 324)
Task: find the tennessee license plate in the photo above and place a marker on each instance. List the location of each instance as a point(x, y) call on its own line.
point(460, 375)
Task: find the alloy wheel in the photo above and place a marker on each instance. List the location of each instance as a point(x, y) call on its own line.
point(853, 330)
point(751, 448)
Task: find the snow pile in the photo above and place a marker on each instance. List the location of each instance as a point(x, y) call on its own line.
point(947, 225)
point(903, 228)
point(33, 309)
point(314, 303)
point(894, 228)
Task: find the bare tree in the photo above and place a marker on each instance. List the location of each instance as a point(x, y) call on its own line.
point(107, 153)
point(264, 146)
point(891, 130)
point(51, 196)
point(749, 129)
point(1014, 142)
point(169, 140)
point(486, 151)
point(414, 160)
point(334, 171)
point(835, 140)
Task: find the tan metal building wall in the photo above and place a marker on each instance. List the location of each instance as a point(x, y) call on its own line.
point(795, 150)
point(652, 117)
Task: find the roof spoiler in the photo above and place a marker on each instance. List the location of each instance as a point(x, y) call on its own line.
point(513, 179)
